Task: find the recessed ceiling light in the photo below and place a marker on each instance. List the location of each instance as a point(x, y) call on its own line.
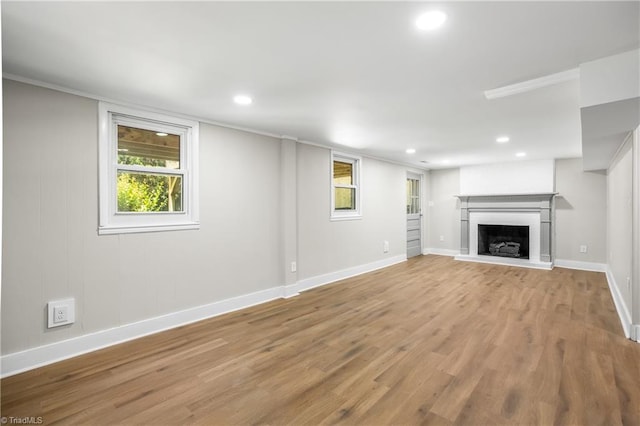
point(410, 151)
point(502, 139)
point(521, 154)
point(242, 100)
point(446, 161)
point(162, 134)
point(431, 20)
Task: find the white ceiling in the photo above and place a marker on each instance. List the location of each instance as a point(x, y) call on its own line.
point(354, 75)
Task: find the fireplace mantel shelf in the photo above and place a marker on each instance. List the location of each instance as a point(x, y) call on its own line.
point(537, 194)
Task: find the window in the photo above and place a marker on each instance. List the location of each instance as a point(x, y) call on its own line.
point(413, 195)
point(148, 171)
point(345, 187)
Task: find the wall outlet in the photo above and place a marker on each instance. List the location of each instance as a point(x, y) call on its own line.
point(294, 266)
point(61, 312)
point(431, 204)
point(385, 247)
point(583, 249)
point(441, 237)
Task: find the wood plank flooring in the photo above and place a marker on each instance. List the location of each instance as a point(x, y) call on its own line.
point(429, 341)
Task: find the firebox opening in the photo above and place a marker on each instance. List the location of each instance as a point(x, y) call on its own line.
point(503, 241)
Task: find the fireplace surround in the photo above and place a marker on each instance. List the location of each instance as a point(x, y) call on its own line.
point(534, 211)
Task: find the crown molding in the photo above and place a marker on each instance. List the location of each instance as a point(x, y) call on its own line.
point(536, 83)
point(93, 96)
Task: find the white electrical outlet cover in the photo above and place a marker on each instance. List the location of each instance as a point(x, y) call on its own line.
point(69, 304)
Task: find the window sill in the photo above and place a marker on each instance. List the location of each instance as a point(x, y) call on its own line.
point(346, 217)
point(112, 230)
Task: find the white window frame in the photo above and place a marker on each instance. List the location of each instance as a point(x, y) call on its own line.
point(113, 222)
point(357, 185)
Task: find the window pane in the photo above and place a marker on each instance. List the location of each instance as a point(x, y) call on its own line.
point(408, 196)
point(342, 173)
point(145, 192)
point(413, 196)
point(345, 198)
point(148, 148)
point(415, 208)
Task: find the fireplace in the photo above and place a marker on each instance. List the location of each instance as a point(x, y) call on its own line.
point(503, 241)
point(521, 224)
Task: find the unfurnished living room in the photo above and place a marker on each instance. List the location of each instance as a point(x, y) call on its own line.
point(369, 213)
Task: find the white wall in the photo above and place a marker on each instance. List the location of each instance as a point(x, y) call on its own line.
point(51, 246)
point(619, 227)
point(609, 106)
point(610, 79)
point(444, 211)
point(581, 212)
point(325, 246)
point(264, 202)
point(519, 177)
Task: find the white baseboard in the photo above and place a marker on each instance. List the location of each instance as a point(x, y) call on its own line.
point(319, 280)
point(583, 266)
point(441, 252)
point(29, 359)
point(289, 291)
point(630, 330)
point(42, 355)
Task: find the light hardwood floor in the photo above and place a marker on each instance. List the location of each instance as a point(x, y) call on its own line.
point(430, 341)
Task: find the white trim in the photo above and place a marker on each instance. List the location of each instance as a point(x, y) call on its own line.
point(420, 177)
point(635, 237)
point(363, 154)
point(351, 216)
point(93, 96)
point(29, 359)
point(621, 308)
point(356, 162)
point(536, 83)
point(1, 168)
point(289, 291)
point(441, 252)
point(582, 266)
point(506, 261)
point(43, 355)
point(520, 218)
point(320, 280)
point(110, 115)
point(111, 230)
point(621, 150)
point(63, 89)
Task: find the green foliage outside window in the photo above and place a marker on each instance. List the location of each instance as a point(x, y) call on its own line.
point(143, 192)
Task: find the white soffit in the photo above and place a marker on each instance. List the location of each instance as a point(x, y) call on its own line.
point(536, 83)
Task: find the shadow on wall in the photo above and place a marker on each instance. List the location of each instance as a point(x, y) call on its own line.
point(562, 203)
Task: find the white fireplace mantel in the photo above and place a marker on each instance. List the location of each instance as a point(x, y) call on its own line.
point(533, 209)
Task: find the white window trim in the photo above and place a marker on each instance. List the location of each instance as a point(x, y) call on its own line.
point(357, 162)
point(111, 222)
